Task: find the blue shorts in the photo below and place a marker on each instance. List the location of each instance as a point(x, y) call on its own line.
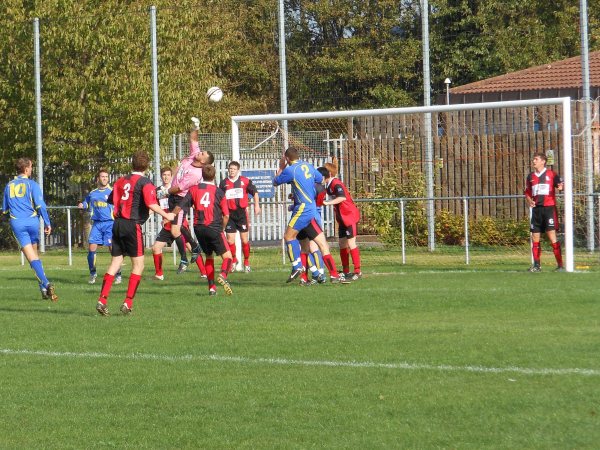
point(26, 231)
point(301, 217)
point(101, 233)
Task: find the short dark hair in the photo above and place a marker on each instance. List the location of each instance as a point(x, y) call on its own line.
point(22, 163)
point(211, 157)
point(234, 163)
point(292, 153)
point(166, 169)
point(140, 161)
point(323, 171)
point(101, 170)
point(540, 155)
point(208, 173)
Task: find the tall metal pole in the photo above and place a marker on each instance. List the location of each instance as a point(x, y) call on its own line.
point(282, 66)
point(587, 131)
point(38, 117)
point(427, 126)
point(155, 96)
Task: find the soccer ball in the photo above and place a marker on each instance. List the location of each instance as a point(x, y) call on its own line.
point(214, 94)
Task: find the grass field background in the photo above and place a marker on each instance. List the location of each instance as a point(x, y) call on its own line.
point(411, 356)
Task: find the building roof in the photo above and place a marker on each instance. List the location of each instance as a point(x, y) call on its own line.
point(564, 74)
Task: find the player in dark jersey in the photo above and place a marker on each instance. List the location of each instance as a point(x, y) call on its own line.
point(24, 204)
point(347, 217)
point(101, 213)
point(133, 196)
point(212, 214)
point(540, 193)
point(237, 188)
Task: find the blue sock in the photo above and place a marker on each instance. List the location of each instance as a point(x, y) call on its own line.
point(37, 267)
point(92, 262)
point(314, 270)
point(293, 249)
point(318, 258)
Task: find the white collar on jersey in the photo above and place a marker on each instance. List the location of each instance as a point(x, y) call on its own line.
point(539, 174)
point(137, 173)
point(233, 180)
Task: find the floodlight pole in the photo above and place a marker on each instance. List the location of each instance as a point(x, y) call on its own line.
point(38, 118)
point(154, 58)
point(587, 130)
point(427, 127)
point(282, 67)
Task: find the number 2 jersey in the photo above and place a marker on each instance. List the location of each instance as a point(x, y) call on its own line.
point(132, 194)
point(210, 204)
point(541, 187)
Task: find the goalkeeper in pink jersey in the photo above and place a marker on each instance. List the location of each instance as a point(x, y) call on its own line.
point(189, 173)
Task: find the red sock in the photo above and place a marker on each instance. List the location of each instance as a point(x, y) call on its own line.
point(246, 252)
point(355, 254)
point(233, 252)
point(557, 253)
point(210, 270)
point(226, 266)
point(304, 260)
point(345, 257)
point(158, 259)
point(330, 264)
point(537, 252)
point(107, 283)
point(200, 264)
point(134, 282)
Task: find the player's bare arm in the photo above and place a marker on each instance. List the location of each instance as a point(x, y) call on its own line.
point(158, 210)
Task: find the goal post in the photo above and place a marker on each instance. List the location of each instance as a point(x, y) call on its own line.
point(504, 124)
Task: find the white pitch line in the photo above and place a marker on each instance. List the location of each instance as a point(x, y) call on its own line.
point(295, 362)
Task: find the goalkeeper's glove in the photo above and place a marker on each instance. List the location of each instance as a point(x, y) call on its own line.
point(196, 123)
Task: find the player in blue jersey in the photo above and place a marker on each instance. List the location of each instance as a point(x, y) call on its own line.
point(101, 213)
point(302, 177)
point(24, 204)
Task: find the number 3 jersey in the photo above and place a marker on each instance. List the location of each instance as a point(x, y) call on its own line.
point(132, 194)
point(541, 187)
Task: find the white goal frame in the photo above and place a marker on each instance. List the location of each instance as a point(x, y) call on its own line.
point(567, 167)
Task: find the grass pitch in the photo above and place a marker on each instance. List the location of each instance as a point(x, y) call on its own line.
point(405, 358)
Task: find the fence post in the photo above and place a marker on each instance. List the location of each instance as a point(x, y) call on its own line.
point(69, 236)
point(466, 214)
point(402, 231)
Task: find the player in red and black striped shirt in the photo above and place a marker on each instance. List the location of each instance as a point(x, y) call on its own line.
point(133, 196)
point(346, 216)
point(540, 193)
point(237, 188)
point(212, 214)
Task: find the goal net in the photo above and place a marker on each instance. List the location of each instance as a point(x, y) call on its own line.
point(438, 186)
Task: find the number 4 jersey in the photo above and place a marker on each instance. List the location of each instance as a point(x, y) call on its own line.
point(210, 204)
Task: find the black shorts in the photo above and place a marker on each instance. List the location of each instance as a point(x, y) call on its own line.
point(238, 221)
point(543, 219)
point(211, 241)
point(127, 239)
point(311, 231)
point(347, 231)
point(165, 236)
point(183, 203)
